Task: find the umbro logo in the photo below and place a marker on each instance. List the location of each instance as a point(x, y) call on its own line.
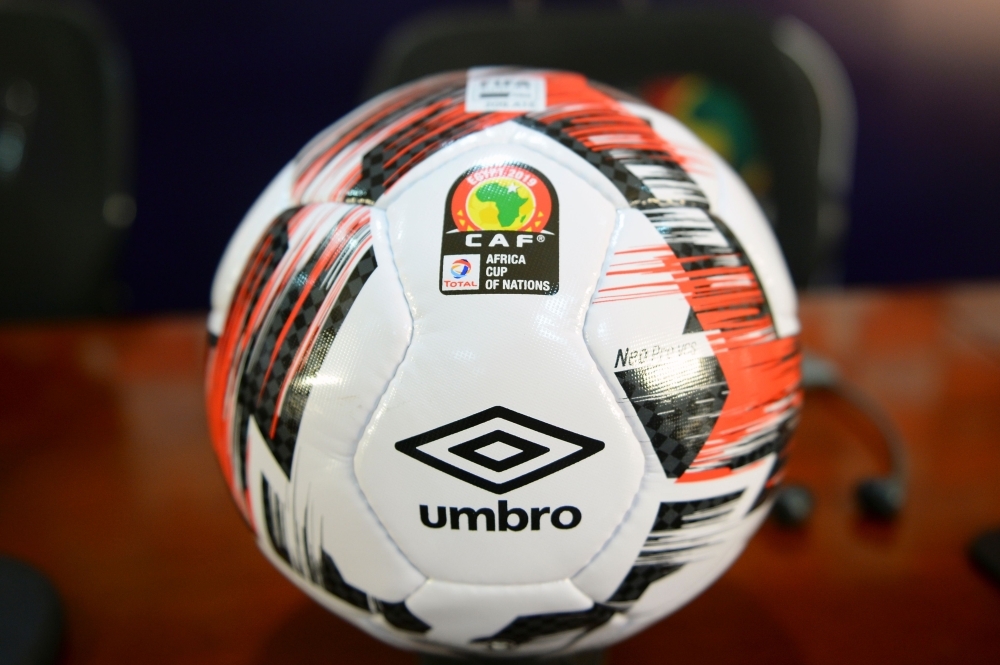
point(499, 449)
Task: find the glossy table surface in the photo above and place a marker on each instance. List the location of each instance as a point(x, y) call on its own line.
point(108, 485)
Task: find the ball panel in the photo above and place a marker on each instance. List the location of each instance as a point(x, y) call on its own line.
point(361, 358)
point(680, 324)
point(605, 573)
point(503, 134)
point(694, 522)
point(372, 622)
point(292, 298)
point(268, 497)
point(611, 631)
point(669, 593)
point(324, 538)
point(475, 352)
point(474, 617)
point(747, 222)
point(688, 151)
point(359, 158)
point(690, 528)
point(733, 202)
point(724, 392)
point(330, 514)
point(722, 542)
point(308, 377)
point(363, 157)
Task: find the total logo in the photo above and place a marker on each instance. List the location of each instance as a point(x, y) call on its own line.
point(460, 268)
point(460, 272)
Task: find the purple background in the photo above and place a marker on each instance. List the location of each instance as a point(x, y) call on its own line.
point(228, 91)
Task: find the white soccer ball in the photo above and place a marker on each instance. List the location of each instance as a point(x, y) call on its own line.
point(503, 363)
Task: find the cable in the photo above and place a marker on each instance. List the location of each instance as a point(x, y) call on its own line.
point(880, 497)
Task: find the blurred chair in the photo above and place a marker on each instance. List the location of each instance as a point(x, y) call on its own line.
point(65, 161)
point(770, 95)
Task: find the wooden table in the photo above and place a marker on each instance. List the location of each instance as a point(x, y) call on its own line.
point(107, 483)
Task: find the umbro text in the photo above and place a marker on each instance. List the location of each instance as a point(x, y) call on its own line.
point(503, 519)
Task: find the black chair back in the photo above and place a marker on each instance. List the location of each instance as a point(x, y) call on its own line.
point(65, 162)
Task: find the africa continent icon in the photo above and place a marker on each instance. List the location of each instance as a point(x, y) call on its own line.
point(500, 204)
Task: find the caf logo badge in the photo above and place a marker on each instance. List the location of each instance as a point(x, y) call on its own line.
point(508, 215)
point(501, 198)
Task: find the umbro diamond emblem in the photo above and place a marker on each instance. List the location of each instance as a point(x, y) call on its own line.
point(499, 449)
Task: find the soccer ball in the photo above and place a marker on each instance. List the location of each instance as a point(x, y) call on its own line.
point(503, 363)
